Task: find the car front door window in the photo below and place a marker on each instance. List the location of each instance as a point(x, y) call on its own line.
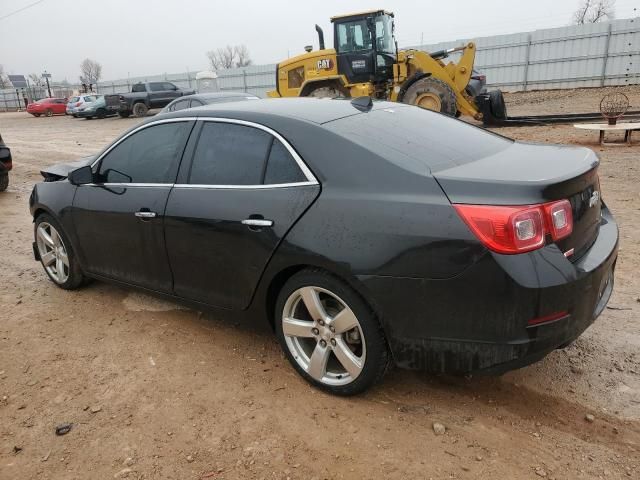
point(147, 156)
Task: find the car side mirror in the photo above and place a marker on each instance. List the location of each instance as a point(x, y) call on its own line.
point(81, 176)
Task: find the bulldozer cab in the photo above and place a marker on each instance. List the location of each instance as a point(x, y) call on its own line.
point(365, 46)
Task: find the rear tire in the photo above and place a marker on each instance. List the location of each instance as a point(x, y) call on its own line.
point(140, 110)
point(124, 114)
point(49, 113)
point(337, 344)
point(432, 94)
point(54, 249)
point(4, 182)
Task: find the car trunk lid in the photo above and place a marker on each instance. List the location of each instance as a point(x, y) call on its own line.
point(529, 174)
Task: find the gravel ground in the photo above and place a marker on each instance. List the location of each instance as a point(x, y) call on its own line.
point(154, 390)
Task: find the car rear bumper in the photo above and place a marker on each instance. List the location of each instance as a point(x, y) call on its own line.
point(480, 319)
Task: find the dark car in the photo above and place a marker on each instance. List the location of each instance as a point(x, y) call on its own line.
point(200, 99)
point(95, 109)
point(143, 97)
point(6, 165)
point(364, 234)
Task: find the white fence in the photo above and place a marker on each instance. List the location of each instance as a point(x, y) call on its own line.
point(591, 55)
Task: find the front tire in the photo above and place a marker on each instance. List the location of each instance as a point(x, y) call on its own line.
point(35, 114)
point(49, 113)
point(4, 182)
point(124, 114)
point(329, 334)
point(56, 254)
point(101, 113)
point(432, 94)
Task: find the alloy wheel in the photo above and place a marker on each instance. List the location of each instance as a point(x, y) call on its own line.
point(53, 252)
point(324, 336)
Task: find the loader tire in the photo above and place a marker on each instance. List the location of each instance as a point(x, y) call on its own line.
point(432, 94)
point(327, 90)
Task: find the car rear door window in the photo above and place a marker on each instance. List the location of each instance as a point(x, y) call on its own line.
point(229, 154)
point(157, 86)
point(281, 166)
point(151, 155)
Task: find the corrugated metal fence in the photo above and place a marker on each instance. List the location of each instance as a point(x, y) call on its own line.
point(591, 55)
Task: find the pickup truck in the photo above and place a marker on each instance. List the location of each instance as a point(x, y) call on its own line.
point(143, 97)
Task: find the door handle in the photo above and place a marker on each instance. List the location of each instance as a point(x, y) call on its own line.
point(144, 215)
point(257, 222)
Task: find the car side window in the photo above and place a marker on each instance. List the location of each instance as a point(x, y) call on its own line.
point(138, 87)
point(196, 103)
point(181, 105)
point(151, 155)
point(157, 86)
point(169, 86)
point(281, 166)
point(229, 154)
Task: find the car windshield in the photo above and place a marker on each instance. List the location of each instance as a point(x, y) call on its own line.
point(74, 99)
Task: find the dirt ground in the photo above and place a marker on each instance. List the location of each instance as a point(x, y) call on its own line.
point(156, 391)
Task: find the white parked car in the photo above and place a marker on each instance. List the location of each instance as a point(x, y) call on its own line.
point(79, 101)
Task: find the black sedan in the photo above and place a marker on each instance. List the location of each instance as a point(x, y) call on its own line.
point(200, 99)
point(364, 233)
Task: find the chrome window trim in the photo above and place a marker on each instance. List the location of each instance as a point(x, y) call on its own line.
point(244, 187)
point(311, 179)
point(169, 185)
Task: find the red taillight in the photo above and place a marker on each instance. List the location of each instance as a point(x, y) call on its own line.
point(78, 104)
point(517, 229)
point(559, 219)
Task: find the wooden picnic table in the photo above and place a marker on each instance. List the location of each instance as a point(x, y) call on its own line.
point(627, 128)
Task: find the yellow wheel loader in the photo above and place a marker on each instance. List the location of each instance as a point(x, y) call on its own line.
point(366, 62)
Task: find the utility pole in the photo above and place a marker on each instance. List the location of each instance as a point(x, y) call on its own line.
point(46, 76)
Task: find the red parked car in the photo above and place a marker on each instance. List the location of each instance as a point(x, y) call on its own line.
point(48, 107)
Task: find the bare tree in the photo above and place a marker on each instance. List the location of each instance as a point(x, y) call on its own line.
point(35, 79)
point(594, 11)
point(4, 82)
point(229, 57)
point(242, 56)
point(90, 71)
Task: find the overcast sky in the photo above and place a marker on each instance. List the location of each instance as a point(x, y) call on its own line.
point(147, 37)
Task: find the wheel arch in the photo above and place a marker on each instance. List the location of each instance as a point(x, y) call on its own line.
point(334, 80)
point(278, 280)
point(410, 81)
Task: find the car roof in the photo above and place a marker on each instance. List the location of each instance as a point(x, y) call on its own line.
point(207, 95)
point(314, 110)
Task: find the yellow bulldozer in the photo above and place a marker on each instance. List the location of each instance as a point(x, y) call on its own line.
point(366, 62)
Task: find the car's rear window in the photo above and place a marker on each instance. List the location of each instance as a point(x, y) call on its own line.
point(415, 137)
